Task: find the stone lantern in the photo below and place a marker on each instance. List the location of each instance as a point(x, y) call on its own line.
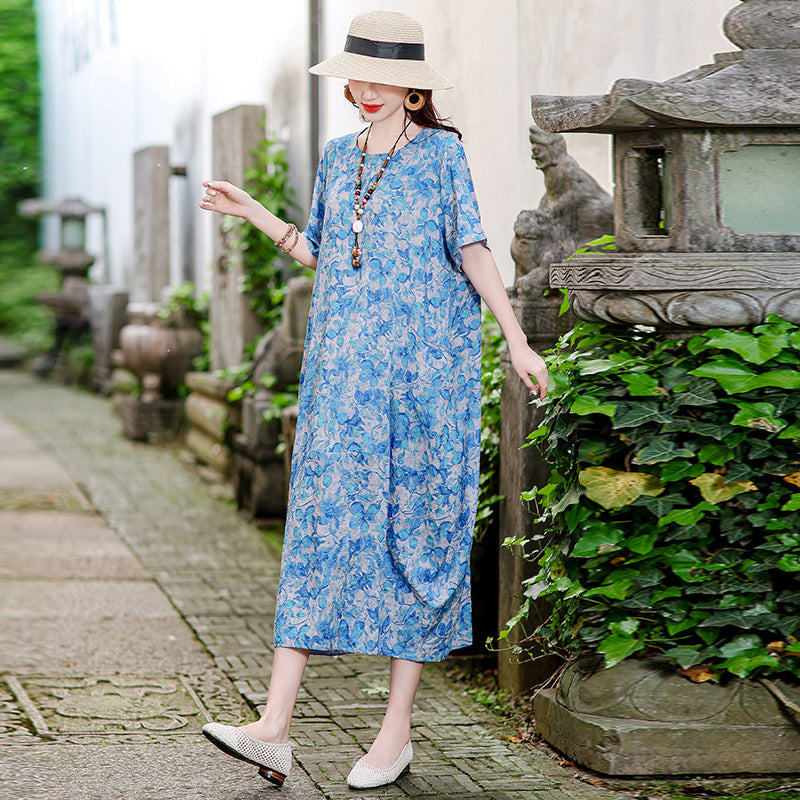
point(71, 304)
point(707, 198)
point(71, 259)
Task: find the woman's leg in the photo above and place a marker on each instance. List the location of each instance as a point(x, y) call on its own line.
point(288, 664)
point(396, 728)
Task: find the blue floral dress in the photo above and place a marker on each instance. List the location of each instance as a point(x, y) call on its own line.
point(385, 465)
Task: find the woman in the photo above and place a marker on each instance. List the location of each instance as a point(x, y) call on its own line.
point(385, 465)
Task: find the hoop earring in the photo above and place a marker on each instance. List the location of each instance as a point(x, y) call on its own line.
point(348, 95)
point(414, 101)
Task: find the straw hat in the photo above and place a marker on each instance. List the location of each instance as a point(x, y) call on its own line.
point(384, 47)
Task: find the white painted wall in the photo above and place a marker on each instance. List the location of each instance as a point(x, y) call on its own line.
point(122, 74)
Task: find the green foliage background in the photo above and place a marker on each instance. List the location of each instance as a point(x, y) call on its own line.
point(493, 345)
point(20, 277)
point(673, 507)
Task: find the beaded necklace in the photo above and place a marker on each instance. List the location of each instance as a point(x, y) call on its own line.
point(360, 203)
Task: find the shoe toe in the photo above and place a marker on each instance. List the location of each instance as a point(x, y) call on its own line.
point(365, 776)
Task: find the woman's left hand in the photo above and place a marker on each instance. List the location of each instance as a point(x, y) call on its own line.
point(527, 363)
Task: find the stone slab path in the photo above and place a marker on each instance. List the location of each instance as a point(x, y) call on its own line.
point(134, 606)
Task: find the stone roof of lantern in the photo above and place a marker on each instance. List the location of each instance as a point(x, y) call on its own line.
point(755, 87)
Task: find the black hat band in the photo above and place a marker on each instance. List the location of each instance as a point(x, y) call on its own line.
point(399, 50)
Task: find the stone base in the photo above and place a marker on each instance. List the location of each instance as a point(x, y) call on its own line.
point(210, 451)
point(211, 419)
point(150, 420)
point(259, 480)
point(642, 718)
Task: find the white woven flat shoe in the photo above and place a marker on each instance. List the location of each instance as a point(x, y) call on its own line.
point(273, 760)
point(365, 776)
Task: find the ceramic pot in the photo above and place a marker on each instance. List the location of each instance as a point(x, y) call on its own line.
point(159, 357)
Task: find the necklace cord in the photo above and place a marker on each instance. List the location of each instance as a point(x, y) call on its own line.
point(360, 204)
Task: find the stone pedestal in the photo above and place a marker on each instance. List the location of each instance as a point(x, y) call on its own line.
point(151, 173)
point(642, 718)
point(259, 470)
point(107, 316)
point(211, 420)
point(153, 420)
point(236, 133)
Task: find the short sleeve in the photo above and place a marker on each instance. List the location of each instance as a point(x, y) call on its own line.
point(316, 216)
point(462, 218)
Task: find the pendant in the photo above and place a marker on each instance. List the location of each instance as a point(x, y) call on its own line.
point(358, 226)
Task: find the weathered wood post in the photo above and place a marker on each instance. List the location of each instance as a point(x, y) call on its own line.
point(151, 174)
point(236, 132)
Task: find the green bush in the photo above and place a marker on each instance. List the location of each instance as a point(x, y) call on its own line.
point(492, 378)
point(20, 276)
point(672, 511)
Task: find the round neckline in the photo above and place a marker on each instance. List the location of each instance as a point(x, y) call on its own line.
point(411, 141)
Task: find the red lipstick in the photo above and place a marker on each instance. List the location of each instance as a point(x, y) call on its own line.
point(371, 109)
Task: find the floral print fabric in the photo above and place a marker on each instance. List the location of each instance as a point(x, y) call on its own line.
point(385, 464)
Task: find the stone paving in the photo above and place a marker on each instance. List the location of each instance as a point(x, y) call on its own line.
point(94, 615)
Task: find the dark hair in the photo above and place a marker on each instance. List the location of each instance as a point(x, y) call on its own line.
point(428, 116)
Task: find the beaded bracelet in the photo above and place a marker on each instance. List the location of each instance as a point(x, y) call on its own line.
point(291, 231)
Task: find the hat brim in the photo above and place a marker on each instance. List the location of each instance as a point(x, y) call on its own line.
point(391, 71)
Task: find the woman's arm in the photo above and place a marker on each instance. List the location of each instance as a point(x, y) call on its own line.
point(479, 266)
point(226, 198)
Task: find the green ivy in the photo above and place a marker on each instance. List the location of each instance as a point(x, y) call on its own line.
point(672, 513)
point(265, 267)
point(492, 378)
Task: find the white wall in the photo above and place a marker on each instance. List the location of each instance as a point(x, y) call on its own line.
point(123, 74)
point(119, 75)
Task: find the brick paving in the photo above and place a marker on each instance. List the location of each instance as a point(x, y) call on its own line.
point(220, 573)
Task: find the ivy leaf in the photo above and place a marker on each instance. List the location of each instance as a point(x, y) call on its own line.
point(599, 540)
point(758, 415)
point(687, 516)
point(642, 385)
point(714, 489)
point(778, 379)
point(732, 376)
point(598, 366)
point(792, 504)
point(686, 565)
point(617, 647)
point(746, 664)
point(617, 590)
point(661, 505)
point(792, 432)
point(663, 450)
point(739, 472)
point(535, 590)
point(612, 488)
point(717, 454)
point(789, 563)
point(741, 644)
point(753, 348)
point(642, 544)
point(625, 627)
point(678, 470)
point(583, 406)
point(631, 415)
point(698, 393)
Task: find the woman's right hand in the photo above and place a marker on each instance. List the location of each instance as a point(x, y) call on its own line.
point(226, 198)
